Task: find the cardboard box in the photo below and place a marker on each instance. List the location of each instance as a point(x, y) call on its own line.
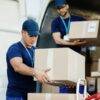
point(99, 65)
point(65, 63)
point(96, 73)
point(84, 29)
point(46, 88)
point(98, 84)
point(91, 84)
point(42, 96)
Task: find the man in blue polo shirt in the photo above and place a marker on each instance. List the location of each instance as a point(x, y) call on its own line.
point(20, 64)
point(60, 27)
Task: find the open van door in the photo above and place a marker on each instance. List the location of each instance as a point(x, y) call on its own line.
point(36, 9)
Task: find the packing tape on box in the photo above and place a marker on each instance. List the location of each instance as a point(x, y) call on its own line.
point(47, 96)
point(92, 26)
point(50, 61)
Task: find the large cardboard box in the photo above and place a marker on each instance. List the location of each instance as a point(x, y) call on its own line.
point(65, 63)
point(84, 29)
point(42, 96)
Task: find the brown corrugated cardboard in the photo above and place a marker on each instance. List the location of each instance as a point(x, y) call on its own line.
point(84, 29)
point(65, 63)
point(42, 96)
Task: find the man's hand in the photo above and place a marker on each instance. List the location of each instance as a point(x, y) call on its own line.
point(80, 42)
point(41, 75)
point(76, 42)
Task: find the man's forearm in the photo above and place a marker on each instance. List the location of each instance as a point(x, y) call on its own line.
point(24, 70)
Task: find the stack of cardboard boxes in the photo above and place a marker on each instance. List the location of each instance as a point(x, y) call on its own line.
point(65, 64)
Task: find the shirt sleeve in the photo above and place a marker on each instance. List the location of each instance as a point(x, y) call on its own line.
point(13, 51)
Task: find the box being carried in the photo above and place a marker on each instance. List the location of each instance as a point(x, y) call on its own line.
point(83, 30)
point(65, 63)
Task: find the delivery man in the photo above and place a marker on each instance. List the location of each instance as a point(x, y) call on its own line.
point(20, 64)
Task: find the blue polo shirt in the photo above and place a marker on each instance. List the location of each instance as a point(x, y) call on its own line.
point(58, 26)
point(18, 84)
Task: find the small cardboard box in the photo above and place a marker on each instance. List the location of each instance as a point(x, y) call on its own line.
point(99, 64)
point(91, 84)
point(98, 84)
point(43, 96)
point(54, 87)
point(84, 29)
point(65, 63)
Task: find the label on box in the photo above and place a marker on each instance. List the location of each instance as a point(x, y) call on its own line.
point(92, 27)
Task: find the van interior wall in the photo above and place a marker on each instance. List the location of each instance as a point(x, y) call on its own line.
point(93, 5)
point(45, 39)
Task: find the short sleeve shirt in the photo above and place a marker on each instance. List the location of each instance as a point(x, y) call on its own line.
point(19, 84)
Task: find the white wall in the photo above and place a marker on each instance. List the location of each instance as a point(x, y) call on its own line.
point(6, 39)
point(10, 23)
point(9, 15)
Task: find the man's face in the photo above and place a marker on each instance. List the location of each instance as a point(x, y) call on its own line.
point(63, 10)
point(29, 40)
